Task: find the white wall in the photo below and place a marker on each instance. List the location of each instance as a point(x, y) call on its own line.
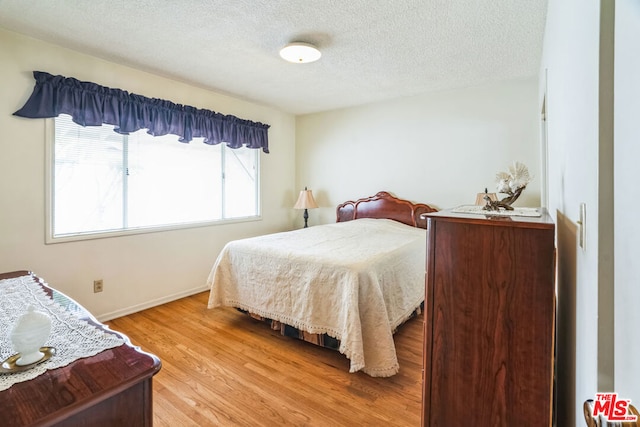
point(578, 62)
point(627, 226)
point(138, 270)
point(440, 148)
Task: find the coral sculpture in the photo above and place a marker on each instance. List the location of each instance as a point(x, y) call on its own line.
point(511, 183)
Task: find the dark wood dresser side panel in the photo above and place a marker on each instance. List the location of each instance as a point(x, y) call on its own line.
point(132, 407)
point(489, 360)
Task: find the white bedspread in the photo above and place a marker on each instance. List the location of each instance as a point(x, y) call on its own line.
point(356, 281)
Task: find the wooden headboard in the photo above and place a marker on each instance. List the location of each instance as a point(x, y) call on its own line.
point(384, 205)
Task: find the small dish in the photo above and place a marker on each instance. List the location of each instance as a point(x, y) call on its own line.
point(9, 365)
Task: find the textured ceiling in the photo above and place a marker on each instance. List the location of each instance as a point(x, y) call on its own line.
point(372, 50)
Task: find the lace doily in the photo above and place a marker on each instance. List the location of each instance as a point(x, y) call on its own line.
point(477, 209)
point(72, 337)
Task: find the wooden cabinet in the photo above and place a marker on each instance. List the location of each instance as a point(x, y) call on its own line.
point(489, 321)
point(112, 388)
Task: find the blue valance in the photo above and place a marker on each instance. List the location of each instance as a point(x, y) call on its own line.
point(90, 104)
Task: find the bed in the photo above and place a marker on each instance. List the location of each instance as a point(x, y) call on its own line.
point(347, 285)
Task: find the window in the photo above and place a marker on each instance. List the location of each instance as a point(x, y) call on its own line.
point(103, 182)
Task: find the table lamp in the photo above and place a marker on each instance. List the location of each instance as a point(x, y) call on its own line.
point(305, 201)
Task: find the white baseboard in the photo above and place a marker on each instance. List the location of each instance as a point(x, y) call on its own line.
point(105, 317)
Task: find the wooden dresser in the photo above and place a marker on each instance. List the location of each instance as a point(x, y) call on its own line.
point(112, 388)
point(489, 321)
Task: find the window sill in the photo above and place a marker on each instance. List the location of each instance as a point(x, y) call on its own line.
point(49, 239)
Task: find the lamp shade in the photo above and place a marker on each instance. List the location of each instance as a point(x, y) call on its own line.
point(480, 201)
point(305, 200)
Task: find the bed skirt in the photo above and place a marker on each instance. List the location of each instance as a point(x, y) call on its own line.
point(322, 340)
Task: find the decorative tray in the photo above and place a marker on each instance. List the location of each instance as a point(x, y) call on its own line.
point(9, 365)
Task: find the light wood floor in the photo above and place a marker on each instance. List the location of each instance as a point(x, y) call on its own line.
point(222, 368)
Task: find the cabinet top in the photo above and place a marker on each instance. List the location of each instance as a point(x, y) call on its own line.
point(542, 221)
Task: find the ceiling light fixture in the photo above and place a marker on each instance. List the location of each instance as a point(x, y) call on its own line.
point(300, 53)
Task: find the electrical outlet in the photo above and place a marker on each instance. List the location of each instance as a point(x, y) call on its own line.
point(97, 286)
